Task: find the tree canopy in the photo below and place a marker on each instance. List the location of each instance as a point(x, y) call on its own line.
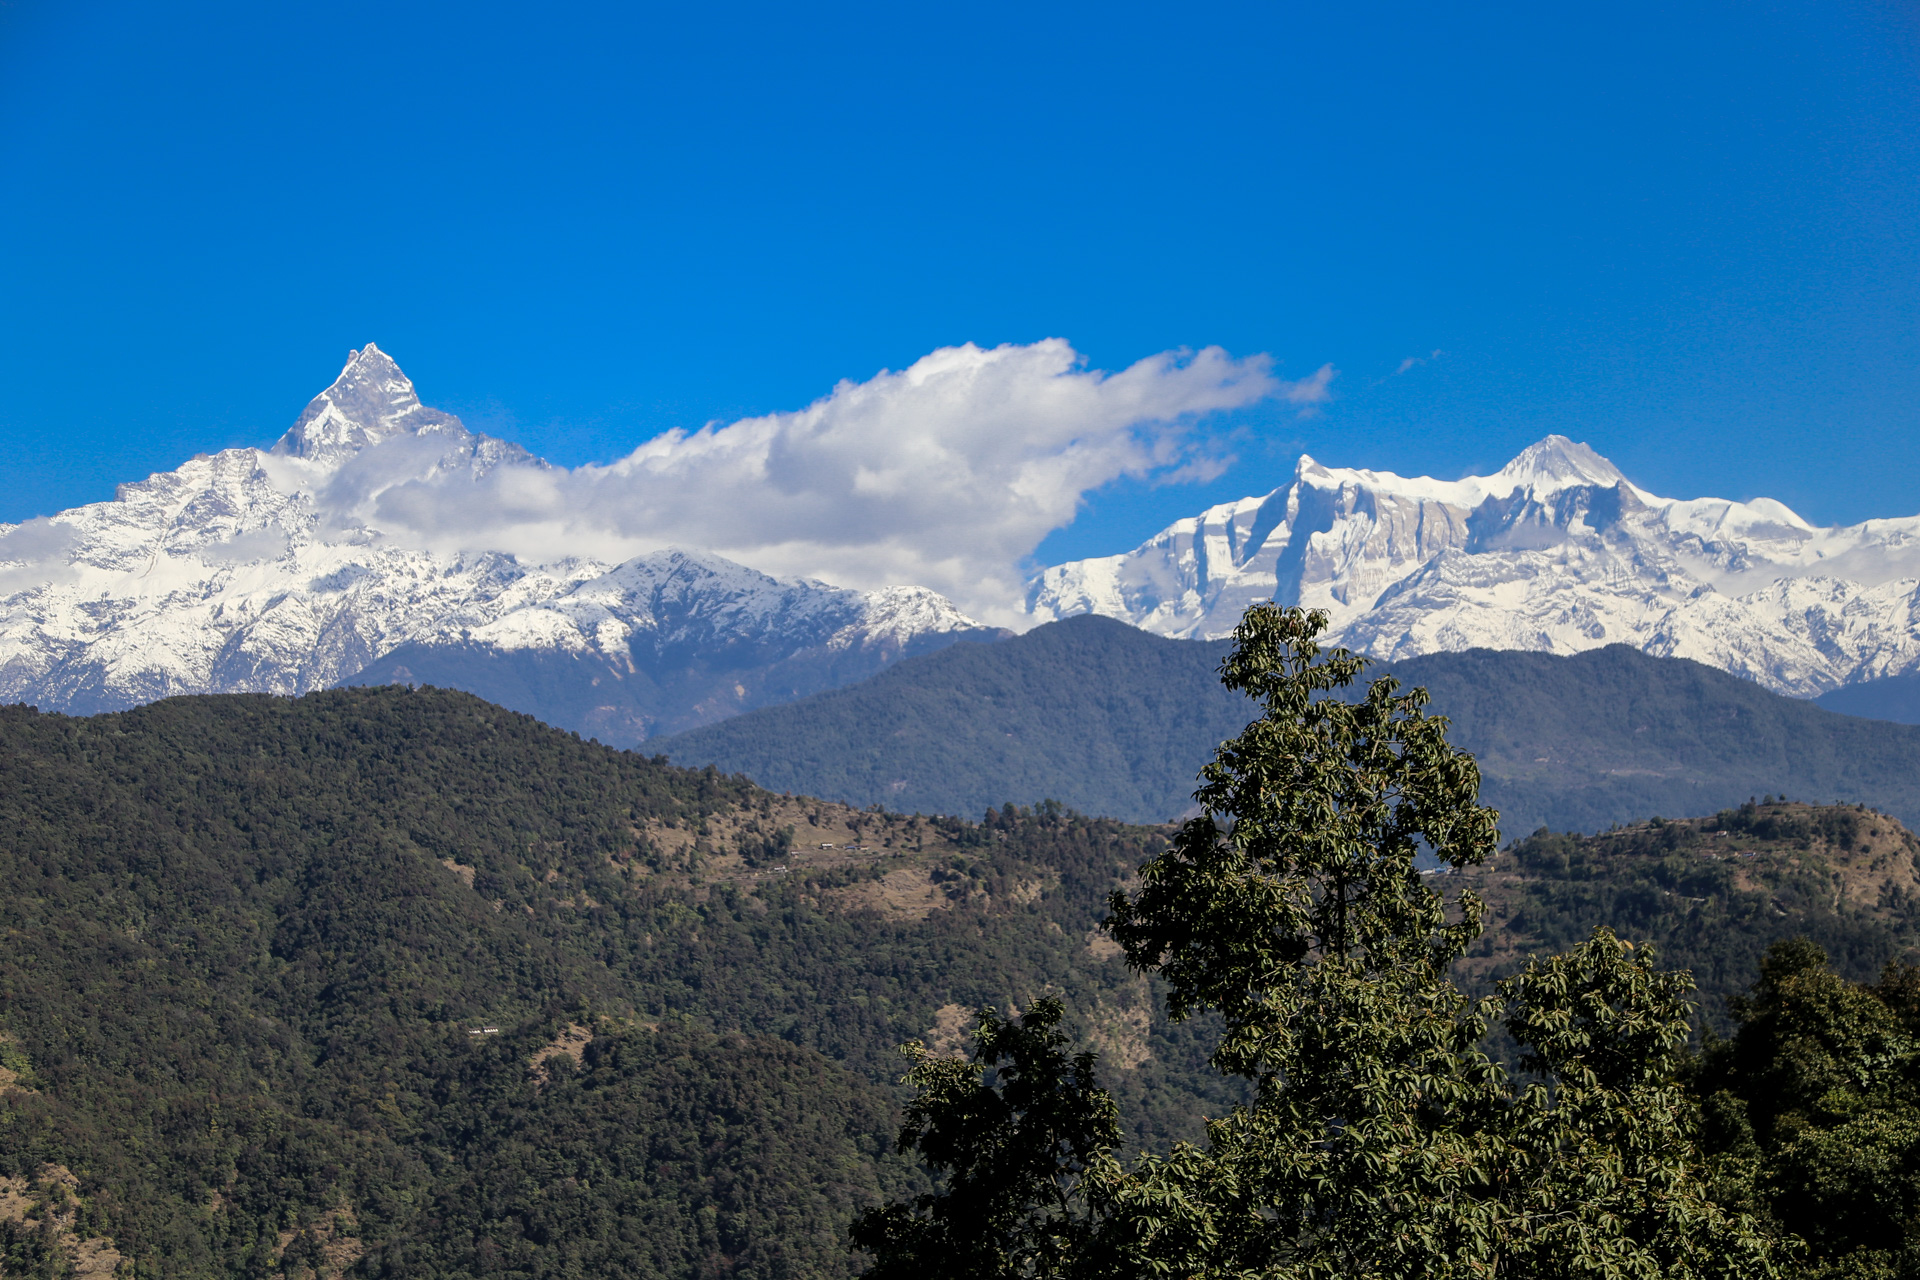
point(1381, 1138)
point(1812, 1111)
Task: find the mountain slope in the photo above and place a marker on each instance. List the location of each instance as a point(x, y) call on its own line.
point(1711, 893)
point(1109, 719)
point(1557, 552)
point(1090, 712)
point(268, 571)
point(674, 640)
point(1895, 698)
point(254, 945)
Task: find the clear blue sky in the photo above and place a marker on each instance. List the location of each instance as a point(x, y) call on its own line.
point(1683, 232)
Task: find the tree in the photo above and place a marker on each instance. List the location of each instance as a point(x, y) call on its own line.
point(1015, 1152)
point(1813, 1110)
point(1382, 1140)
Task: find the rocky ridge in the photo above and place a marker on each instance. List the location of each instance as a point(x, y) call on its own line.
point(1557, 552)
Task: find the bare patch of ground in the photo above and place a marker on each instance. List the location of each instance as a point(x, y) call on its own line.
point(1119, 1025)
point(951, 1034)
point(744, 845)
point(572, 1043)
point(52, 1198)
point(906, 893)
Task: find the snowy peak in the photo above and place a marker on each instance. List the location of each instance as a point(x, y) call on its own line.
point(370, 402)
point(1557, 551)
point(1542, 468)
point(1558, 463)
point(288, 570)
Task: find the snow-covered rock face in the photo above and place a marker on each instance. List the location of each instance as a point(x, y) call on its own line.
point(1557, 552)
point(233, 574)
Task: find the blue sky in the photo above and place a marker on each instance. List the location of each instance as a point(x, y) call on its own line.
point(1685, 233)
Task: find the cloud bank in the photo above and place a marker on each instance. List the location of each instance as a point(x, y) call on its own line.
point(946, 474)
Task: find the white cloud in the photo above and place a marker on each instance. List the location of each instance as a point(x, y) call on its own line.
point(946, 474)
point(1315, 388)
point(35, 553)
point(38, 539)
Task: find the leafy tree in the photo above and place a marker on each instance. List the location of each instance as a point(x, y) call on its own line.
point(1015, 1154)
point(1382, 1140)
point(1813, 1110)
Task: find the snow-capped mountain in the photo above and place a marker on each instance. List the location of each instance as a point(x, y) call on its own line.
point(254, 570)
point(1557, 552)
point(675, 640)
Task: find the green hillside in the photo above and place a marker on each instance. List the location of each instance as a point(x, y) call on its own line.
point(1108, 719)
point(1091, 712)
point(253, 947)
point(397, 983)
point(1712, 893)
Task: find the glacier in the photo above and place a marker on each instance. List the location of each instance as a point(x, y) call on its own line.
point(1558, 552)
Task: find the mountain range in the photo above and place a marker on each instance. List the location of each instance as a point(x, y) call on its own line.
point(294, 568)
point(267, 571)
point(1558, 552)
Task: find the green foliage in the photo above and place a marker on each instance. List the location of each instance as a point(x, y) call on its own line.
point(239, 977)
point(1111, 720)
point(1330, 803)
point(1382, 1139)
point(1813, 1111)
point(662, 1154)
point(1013, 1155)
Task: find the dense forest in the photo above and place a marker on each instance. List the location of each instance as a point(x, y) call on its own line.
point(393, 982)
point(1712, 894)
point(277, 972)
point(1109, 719)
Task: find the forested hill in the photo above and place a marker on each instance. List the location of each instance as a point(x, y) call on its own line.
point(1094, 713)
point(1109, 719)
point(1712, 893)
point(1889, 698)
point(399, 983)
point(392, 982)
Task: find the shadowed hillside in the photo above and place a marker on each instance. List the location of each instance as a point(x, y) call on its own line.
point(1109, 719)
point(1895, 698)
